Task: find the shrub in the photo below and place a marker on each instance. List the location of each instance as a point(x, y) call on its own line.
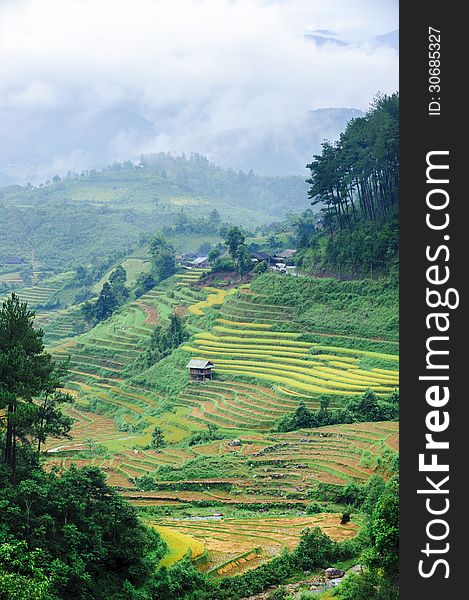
point(316, 549)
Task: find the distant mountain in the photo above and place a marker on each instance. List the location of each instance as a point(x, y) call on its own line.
point(49, 142)
point(279, 148)
point(321, 40)
point(388, 39)
point(44, 143)
point(323, 36)
point(165, 183)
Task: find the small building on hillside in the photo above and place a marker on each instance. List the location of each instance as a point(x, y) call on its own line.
point(201, 262)
point(13, 260)
point(200, 369)
point(185, 258)
point(287, 254)
point(258, 257)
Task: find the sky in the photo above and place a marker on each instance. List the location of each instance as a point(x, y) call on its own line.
point(190, 67)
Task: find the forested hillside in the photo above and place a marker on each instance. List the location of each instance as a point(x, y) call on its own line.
point(91, 215)
point(355, 182)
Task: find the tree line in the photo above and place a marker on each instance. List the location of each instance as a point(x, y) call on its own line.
point(367, 408)
point(358, 176)
point(354, 183)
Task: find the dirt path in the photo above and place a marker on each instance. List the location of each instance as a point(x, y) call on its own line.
point(152, 314)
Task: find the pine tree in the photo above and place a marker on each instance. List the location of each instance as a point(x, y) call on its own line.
point(29, 383)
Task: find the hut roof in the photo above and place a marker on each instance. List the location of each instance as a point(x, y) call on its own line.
point(199, 260)
point(288, 253)
point(13, 260)
point(261, 256)
point(199, 364)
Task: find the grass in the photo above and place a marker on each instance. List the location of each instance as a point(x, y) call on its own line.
point(133, 267)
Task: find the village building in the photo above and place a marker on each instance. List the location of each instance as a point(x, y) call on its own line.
point(200, 369)
point(13, 260)
point(200, 262)
point(258, 257)
point(185, 258)
point(287, 254)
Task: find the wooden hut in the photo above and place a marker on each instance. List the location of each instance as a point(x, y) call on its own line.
point(200, 369)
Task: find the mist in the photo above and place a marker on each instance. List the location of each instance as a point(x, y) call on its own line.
point(88, 82)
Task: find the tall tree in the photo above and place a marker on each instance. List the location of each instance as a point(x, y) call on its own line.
point(163, 258)
point(118, 277)
point(106, 303)
point(27, 373)
point(117, 280)
point(234, 238)
point(176, 332)
point(243, 260)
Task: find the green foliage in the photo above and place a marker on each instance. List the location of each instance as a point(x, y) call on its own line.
point(180, 582)
point(162, 342)
point(93, 214)
point(168, 376)
point(225, 264)
point(364, 308)
point(367, 408)
point(144, 283)
point(27, 373)
point(106, 303)
point(157, 438)
point(356, 181)
point(163, 258)
point(213, 255)
point(384, 532)
point(369, 584)
point(361, 496)
point(363, 166)
point(203, 437)
point(261, 267)
point(243, 260)
point(65, 235)
point(379, 580)
point(316, 549)
point(22, 576)
point(112, 295)
point(89, 540)
point(234, 239)
point(118, 277)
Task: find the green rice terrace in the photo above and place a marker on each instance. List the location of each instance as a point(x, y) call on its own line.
point(275, 343)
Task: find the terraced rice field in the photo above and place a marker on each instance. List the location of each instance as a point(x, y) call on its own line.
point(179, 545)
point(263, 368)
point(132, 266)
point(11, 278)
point(86, 426)
point(100, 357)
point(235, 545)
point(216, 297)
point(278, 468)
point(190, 276)
point(38, 294)
point(59, 325)
point(238, 405)
point(244, 342)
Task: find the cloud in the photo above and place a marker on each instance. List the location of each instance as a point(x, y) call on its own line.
point(193, 67)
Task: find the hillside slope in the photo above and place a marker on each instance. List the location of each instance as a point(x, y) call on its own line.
point(271, 350)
